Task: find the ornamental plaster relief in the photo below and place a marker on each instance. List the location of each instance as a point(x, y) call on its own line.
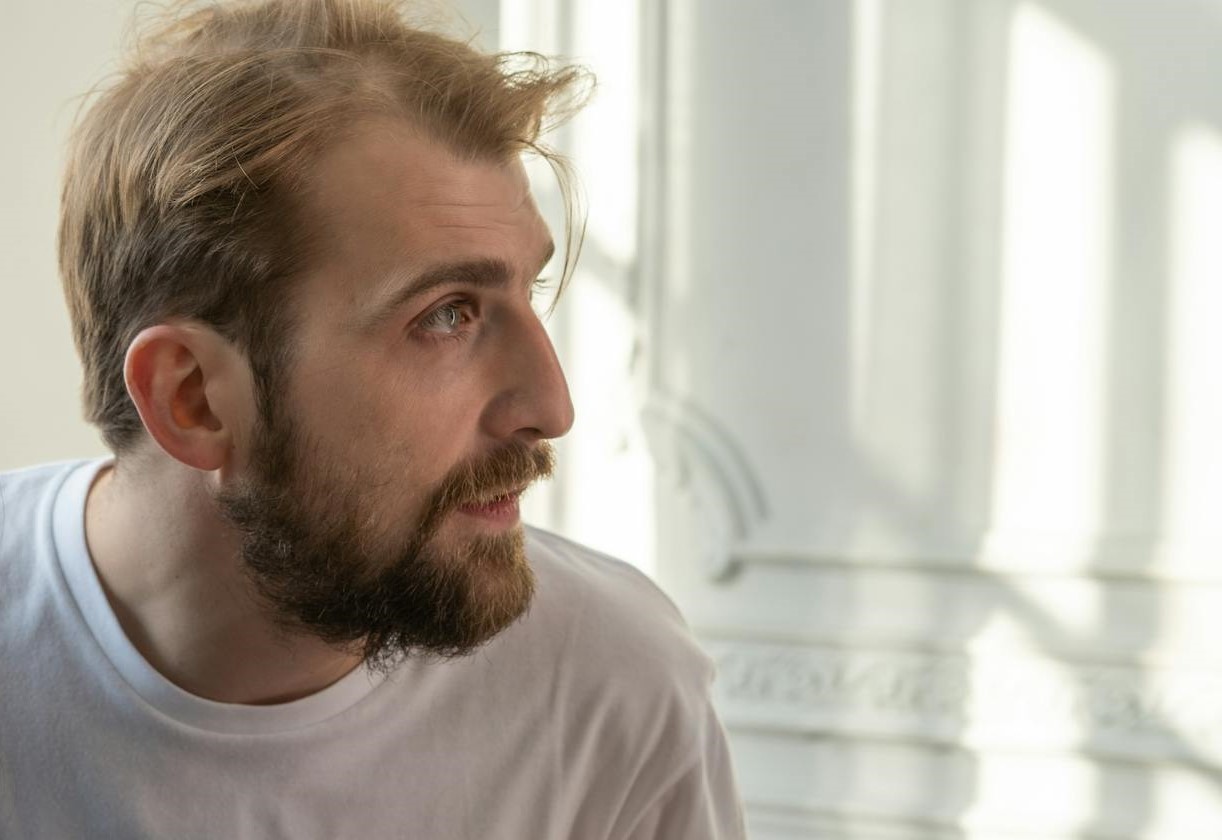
point(994, 702)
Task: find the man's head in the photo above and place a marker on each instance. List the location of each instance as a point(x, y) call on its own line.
point(298, 247)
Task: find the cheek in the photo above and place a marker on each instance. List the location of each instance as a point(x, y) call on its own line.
point(434, 416)
point(412, 423)
point(405, 411)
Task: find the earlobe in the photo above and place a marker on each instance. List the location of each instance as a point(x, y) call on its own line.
point(167, 372)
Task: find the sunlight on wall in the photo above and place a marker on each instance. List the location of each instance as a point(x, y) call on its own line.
point(602, 495)
point(603, 37)
point(1178, 801)
point(609, 476)
point(606, 39)
point(1053, 793)
point(609, 502)
point(867, 58)
point(1194, 363)
point(1054, 302)
point(530, 25)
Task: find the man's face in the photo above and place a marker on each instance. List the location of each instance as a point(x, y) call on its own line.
point(379, 507)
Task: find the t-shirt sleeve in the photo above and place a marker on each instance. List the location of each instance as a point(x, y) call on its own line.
point(702, 803)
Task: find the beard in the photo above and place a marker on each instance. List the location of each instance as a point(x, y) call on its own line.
point(328, 562)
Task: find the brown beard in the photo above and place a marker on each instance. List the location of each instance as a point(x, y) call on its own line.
point(326, 564)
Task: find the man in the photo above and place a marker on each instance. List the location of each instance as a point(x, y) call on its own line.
point(299, 250)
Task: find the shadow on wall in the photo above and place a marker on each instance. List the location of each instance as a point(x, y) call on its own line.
point(1038, 288)
point(918, 301)
point(952, 294)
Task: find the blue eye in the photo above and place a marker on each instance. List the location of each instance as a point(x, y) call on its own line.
point(447, 318)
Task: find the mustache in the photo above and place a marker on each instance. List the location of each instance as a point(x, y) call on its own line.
point(505, 470)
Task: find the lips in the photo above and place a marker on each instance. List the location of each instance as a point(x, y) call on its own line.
point(503, 505)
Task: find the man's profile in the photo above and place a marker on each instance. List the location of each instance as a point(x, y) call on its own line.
point(300, 255)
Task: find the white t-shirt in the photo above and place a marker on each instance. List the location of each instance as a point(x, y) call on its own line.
point(589, 718)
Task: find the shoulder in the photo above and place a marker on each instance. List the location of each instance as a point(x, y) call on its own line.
point(29, 577)
point(629, 684)
point(579, 570)
point(614, 610)
point(628, 657)
point(37, 477)
point(27, 497)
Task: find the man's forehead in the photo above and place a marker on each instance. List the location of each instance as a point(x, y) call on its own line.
point(390, 207)
point(386, 192)
point(385, 156)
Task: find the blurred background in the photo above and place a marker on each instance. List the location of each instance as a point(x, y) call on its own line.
point(896, 347)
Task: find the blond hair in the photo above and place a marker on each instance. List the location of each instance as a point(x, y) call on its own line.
point(179, 193)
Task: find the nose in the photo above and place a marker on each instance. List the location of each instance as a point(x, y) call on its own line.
point(532, 400)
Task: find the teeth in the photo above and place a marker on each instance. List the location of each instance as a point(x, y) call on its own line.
point(499, 499)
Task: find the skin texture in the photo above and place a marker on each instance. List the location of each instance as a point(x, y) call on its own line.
point(392, 423)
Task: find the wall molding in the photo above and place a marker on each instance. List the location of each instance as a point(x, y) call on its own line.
point(768, 821)
point(708, 467)
point(771, 822)
point(1152, 558)
point(991, 701)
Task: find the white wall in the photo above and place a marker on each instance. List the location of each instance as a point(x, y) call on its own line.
point(52, 52)
point(936, 391)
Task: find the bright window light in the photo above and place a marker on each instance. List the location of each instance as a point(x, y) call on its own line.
point(867, 58)
point(1194, 338)
point(1055, 272)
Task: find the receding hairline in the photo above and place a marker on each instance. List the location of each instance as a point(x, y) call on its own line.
point(306, 194)
point(181, 188)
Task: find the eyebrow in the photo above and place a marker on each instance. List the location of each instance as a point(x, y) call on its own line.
point(487, 273)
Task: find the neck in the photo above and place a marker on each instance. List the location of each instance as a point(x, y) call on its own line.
point(172, 571)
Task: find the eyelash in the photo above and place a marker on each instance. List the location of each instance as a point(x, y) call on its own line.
point(540, 288)
point(464, 308)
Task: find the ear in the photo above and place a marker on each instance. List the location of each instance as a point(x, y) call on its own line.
point(192, 389)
